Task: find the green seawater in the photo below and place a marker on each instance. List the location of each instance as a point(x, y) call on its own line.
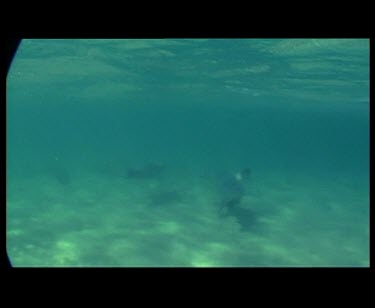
point(188, 153)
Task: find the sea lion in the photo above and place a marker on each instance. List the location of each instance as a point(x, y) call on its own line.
point(231, 191)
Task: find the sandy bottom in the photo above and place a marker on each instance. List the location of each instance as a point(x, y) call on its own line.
point(104, 220)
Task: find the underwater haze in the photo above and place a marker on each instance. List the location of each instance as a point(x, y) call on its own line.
point(188, 153)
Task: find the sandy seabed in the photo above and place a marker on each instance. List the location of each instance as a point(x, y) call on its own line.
point(103, 220)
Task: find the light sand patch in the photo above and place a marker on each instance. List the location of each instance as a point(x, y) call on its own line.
point(65, 253)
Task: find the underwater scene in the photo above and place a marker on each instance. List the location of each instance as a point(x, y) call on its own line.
point(188, 153)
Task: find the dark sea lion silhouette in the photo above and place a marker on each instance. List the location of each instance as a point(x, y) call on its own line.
point(232, 187)
point(231, 191)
